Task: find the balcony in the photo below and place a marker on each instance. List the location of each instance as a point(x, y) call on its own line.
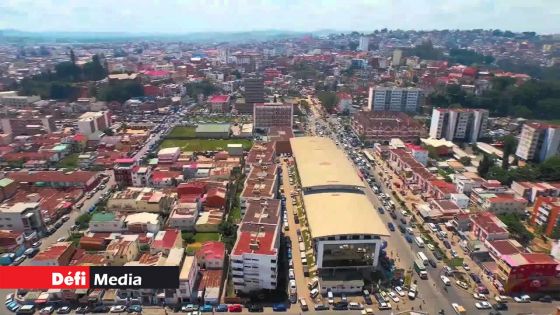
point(544, 211)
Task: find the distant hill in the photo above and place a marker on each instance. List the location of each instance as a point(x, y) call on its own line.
point(10, 35)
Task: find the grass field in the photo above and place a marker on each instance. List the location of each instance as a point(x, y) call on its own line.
point(187, 132)
point(203, 144)
point(202, 237)
point(71, 161)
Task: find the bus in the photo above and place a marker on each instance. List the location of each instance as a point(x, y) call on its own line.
point(423, 258)
point(419, 241)
point(420, 269)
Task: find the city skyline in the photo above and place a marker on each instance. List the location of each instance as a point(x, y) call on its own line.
point(180, 17)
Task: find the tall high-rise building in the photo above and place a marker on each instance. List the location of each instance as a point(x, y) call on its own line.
point(394, 99)
point(538, 142)
point(364, 44)
point(397, 56)
point(273, 115)
point(459, 124)
point(254, 90)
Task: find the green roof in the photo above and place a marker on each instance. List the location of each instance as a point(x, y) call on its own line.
point(5, 182)
point(103, 217)
point(153, 161)
point(60, 147)
point(212, 128)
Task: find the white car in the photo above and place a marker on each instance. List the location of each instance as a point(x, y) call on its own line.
point(61, 239)
point(483, 305)
point(46, 310)
point(430, 247)
point(385, 306)
point(291, 274)
point(117, 309)
point(522, 299)
point(292, 284)
point(394, 297)
point(445, 280)
point(502, 298)
point(462, 284)
point(466, 267)
point(355, 306)
point(400, 291)
point(479, 296)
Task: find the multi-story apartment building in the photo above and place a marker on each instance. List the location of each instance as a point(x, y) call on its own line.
point(22, 217)
point(384, 126)
point(12, 100)
point(527, 273)
point(364, 44)
point(395, 99)
point(261, 183)
point(254, 90)
point(254, 258)
point(546, 214)
point(91, 123)
point(123, 171)
point(269, 115)
point(28, 125)
point(459, 124)
point(538, 142)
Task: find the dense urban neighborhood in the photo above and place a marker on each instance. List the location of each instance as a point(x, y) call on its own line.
point(389, 172)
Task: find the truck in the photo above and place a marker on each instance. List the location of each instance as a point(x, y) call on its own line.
point(420, 269)
point(460, 310)
point(422, 257)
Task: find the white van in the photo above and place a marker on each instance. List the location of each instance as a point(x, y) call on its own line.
point(445, 280)
point(419, 241)
point(312, 284)
point(313, 293)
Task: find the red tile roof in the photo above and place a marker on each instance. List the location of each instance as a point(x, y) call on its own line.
point(167, 240)
point(219, 99)
point(505, 247)
point(211, 250)
point(489, 222)
point(52, 176)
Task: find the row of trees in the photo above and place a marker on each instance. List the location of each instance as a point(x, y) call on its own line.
point(533, 99)
point(62, 83)
point(426, 50)
point(548, 170)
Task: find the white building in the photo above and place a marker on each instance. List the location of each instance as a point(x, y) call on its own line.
point(459, 124)
point(397, 56)
point(364, 44)
point(92, 124)
point(254, 258)
point(538, 142)
point(169, 155)
point(187, 279)
point(395, 99)
point(345, 229)
point(106, 222)
point(21, 217)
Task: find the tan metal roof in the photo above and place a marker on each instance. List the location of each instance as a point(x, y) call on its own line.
point(321, 163)
point(342, 213)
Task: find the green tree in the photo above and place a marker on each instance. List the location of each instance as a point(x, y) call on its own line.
point(94, 70)
point(516, 227)
point(72, 57)
point(328, 99)
point(485, 165)
point(510, 144)
point(465, 160)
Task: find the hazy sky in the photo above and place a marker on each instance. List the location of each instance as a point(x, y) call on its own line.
point(184, 16)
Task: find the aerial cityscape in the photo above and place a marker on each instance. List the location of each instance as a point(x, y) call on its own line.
point(248, 160)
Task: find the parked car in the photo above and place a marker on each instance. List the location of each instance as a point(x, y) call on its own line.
point(483, 305)
point(36, 244)
point(321, 307)
point(235, 308)
point(117, 309)
point(64, 310)
point(206, 308)
point(18, 260)
point(391, 226)
point(82, 310)
point(522, 299)
point(500, 307)
point(255, 308)
point(100, 309)
point(221, 308)
point(279, 307)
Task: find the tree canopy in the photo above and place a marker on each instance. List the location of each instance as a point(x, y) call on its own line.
point(328, 100)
